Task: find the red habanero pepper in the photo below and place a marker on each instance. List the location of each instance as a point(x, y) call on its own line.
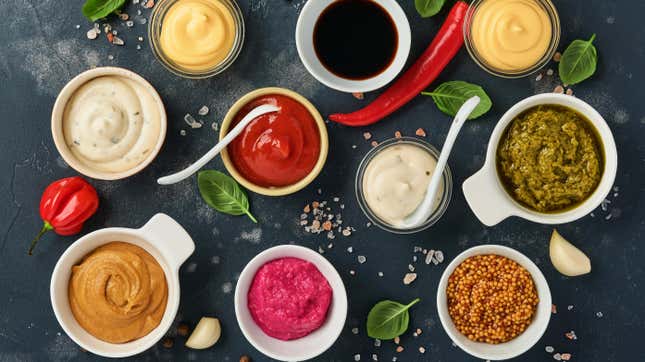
point(443, 48)
point(65, 205)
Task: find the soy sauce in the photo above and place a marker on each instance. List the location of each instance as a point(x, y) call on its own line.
point(355, 39)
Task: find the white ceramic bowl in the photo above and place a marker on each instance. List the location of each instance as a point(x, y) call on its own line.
point(59, 110)
point(488, 198)
point(306, 347)
point(164, 239)
point(304, 42)
point(519, 344)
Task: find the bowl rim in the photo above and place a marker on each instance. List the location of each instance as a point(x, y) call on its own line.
point(543, 310)
point(282, 190)
point(304, 40)
point(447, 184)
point(282, 251)
point(58, 112)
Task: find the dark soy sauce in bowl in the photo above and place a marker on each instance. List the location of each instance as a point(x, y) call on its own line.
point(355, 39)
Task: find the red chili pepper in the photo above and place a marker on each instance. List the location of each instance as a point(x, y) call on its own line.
point(65, 205)
point(443, 48)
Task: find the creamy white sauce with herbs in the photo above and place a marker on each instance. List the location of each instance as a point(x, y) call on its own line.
point(395, 182)
point(111, 123)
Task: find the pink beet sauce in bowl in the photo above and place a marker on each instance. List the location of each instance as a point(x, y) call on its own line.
point(289, 298)
point(290, 303)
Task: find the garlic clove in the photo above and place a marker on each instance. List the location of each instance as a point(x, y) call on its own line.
point(206, 334)
point(566, 258)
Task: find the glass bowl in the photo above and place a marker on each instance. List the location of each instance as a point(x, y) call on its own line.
point(154, 34)
point(438, 212)
point(551, 11)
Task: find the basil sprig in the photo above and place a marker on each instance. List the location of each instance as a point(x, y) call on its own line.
point(450, 96)
point(223, 194)
point(388, 319)
point(99, 9)
point(578, 62)
point(428, 8)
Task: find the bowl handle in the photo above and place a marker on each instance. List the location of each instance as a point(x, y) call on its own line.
point(171, 238)
point(485, 198)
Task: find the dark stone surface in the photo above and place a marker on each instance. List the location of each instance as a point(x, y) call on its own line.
point(42, 50)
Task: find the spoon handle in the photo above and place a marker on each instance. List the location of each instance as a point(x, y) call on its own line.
point(425, 209)
point(187, 172)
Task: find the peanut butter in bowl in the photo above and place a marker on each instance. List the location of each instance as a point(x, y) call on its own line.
point(118, 292)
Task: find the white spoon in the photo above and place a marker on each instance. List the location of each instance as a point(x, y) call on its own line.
point(425, 209)
point(181, 175)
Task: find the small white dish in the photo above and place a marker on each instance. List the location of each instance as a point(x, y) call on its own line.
point(309, 15)
point(490, 201)
point(308, 346)
point(59, 110)
point(164, 239)
point(519, 344)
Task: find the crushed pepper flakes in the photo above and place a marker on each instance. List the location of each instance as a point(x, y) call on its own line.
point(399, 349)
point(420, 132)
point(358, 95)
point(397, 134)
point(374, 143)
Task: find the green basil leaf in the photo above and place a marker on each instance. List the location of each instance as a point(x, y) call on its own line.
point(388, 319)
point(223, 194)
point(99, 9)
point(450, 96)
point(428, 8)
point(578, 62)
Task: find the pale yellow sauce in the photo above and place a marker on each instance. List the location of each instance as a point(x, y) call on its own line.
point(396, 180)
point(112, 123)
point(511, 35)
point(197, 34)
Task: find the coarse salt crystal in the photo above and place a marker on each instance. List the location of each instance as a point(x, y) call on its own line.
point(92, 34)
point(439, 256)
point(377, 343)
point(380, 274)
point(367, 135)
point(361, 259)
point(422, 350)
point(409, 278)
point(549, 349)
point(357, 357)
point(203, 111)
point(117, 41)
point(429, 256)
point(355, 330)
point(182, 132)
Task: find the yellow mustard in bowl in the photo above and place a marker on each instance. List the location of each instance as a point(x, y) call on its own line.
point(512, 37)
point(198, 35)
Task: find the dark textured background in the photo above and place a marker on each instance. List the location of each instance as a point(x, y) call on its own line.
point(42, 49)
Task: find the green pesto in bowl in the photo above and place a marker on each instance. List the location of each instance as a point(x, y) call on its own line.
point(550, 158)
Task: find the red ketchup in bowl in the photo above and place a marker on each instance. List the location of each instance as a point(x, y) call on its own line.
point(276, 149)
